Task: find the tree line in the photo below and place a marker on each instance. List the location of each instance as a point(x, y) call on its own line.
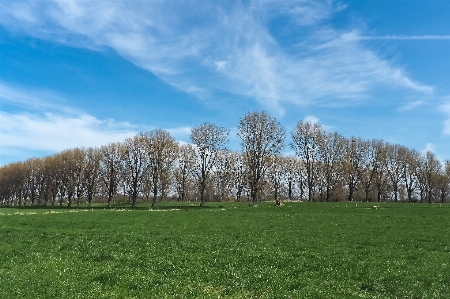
point(153, 166)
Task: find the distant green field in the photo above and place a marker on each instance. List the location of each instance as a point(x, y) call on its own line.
point(299, 250)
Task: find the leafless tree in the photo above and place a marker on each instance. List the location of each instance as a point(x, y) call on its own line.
point(135, 159)
point(331, 150)
point(277, 176)
point(186, 157)
point(92, 172)
point(208, 139)
point(431, 168)
point(223, 175)
point(162, 152)
point(395, 161)
point(111, 168)
point(262, 137)
point(305, 141)
point(353, 164)
point(238, 172)
point(14, 183)
point(79, 156)
point(410, 170)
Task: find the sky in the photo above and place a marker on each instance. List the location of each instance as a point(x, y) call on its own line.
point(81, 73)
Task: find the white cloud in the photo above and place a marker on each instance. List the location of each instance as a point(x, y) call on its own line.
point(311, 119)
point(55, 132)
point(234, 53)
point(429, 147)
point(181, 134)
point(220, 65)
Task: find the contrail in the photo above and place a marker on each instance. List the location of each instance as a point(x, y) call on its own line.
point(402, 37)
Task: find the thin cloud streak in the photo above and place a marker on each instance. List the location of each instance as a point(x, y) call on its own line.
point(402, 37)
point(411, 106)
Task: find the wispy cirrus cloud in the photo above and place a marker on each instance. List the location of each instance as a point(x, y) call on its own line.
point(411, 105)
point(35, 99)
point(302, 12)
point(236, 51)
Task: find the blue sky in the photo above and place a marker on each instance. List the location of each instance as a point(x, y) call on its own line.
point(86, 73)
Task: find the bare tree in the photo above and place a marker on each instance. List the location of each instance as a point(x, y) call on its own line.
point(331, 147)
point(135, 158)
point(162, 152)
point(35, 175)
point(353, 164)
point(13, 183)
point(306, 138)
point(92, 172)
point(111, 168)
point(431, 168)
point(186, 154)
point(410, 169)
point(290, 171)
point(79, 155)
point(262, 136)
point(208, 139)
point(395, 161)
point(238, 172)
point(444, 182)
point(67, 174)
point(51, 172)
point(223, 175)
point(277, 176)
point(443, 186)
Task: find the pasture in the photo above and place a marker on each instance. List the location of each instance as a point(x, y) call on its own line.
point(227, 250)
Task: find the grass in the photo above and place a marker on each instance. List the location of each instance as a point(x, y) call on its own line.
point(299, 250)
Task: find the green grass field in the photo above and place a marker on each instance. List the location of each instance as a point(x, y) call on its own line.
point(299, 250)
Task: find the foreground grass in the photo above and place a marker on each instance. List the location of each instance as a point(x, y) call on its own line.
point(299, 250)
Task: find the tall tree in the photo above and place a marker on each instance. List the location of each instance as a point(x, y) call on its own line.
point(262, 136)
point(395, 161)
point(208, 139)
point(135, 158)
point(277, 176)
point(35, 176)
point(79, 159)
point(92, 172)
point(331, 154)
point(223, 175)
point(184, 161)
point(51, 170)
point(353, 164)
point(432, 168)
point(162, 152)
point(305, 142)
point(111, 168)
point(444, 182)
point(410, 168)
point(238, 172)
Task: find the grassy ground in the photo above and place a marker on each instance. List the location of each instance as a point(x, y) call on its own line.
point(299, 250)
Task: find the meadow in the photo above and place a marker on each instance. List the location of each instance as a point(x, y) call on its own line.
point(227, 250)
